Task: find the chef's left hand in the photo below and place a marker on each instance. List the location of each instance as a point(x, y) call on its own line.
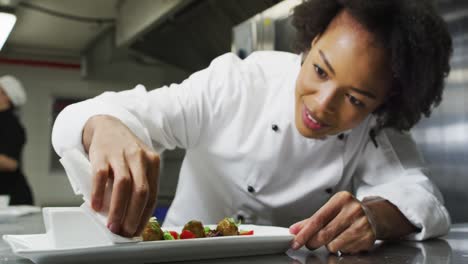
point(340, 225)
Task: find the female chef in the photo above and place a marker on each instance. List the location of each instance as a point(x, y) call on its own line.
point(315, 140)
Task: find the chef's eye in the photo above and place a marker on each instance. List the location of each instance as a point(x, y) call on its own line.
point(320, 72)
point(354, 101)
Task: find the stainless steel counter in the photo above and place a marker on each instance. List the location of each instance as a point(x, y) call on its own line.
point(450, 249)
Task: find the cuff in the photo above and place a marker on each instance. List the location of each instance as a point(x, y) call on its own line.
point(418, 205)
point(68, 127)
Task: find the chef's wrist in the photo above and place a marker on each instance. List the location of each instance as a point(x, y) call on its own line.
point(386, 219)
point(371, 214)
point(89, 128)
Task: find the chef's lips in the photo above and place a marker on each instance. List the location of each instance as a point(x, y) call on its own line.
point(312, 122)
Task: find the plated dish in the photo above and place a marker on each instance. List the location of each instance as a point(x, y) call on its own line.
point(193, 229)
point(264, 240)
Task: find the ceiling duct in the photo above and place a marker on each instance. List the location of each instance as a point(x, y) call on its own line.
point(103, 60)
point(197, 33)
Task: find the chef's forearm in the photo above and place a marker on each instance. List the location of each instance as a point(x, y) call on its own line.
point(7, 163)
point(389, 223)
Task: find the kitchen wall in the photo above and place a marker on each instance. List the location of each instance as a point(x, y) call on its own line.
point(42, 84)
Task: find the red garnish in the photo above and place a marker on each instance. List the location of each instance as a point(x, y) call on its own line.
point(246, 232)
point(174, 234)
point(186, 235)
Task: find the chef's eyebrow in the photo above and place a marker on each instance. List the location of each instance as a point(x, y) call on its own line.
point(325, 60)
point(357, 90)
point(365, 93)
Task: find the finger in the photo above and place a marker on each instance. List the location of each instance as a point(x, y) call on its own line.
point(339, 243)
point(137, 163)
point(355, 247)
point(153, 176)
point(120, 195)
point(352, 247)
point(317, 221)
point(350, 212)
point(296, 227)
point(101, 171)
point(333, 229)
point(365, 237)
point(356, 238)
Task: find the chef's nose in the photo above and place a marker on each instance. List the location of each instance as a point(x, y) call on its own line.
point(327, 99)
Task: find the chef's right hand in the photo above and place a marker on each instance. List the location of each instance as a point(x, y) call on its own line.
point(117, 154)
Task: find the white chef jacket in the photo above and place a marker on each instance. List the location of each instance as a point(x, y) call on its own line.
point(237, 165)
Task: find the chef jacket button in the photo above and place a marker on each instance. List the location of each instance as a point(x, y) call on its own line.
point(341, 136)
point(329, 190)
point(250, 189)
point(275, 127)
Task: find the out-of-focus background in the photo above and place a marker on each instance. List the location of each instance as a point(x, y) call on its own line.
point(69, 50)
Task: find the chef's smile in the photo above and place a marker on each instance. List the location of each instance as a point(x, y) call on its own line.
point(311, 121)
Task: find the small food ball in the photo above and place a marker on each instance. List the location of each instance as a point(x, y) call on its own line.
point(227, 227)
point(196, 227)
point(152, 231)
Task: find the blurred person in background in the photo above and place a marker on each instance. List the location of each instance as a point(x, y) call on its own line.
point(12, 140)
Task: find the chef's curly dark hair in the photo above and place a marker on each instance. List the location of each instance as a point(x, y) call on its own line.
point(415, 38)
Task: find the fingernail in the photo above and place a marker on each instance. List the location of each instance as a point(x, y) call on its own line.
point(295, 245)
point(114, 228)
point(293, 229)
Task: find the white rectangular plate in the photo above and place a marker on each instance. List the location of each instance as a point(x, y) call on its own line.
point(266, 240)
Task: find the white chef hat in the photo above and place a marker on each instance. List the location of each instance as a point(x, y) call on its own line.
point(13, 89)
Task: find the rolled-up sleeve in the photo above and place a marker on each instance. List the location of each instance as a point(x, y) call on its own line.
point(395, 171)
point(165, 118)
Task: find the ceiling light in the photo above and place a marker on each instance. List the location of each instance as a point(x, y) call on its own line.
point(7, 21)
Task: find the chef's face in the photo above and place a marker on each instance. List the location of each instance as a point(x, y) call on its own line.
point(4, 100)
point(343, 79)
